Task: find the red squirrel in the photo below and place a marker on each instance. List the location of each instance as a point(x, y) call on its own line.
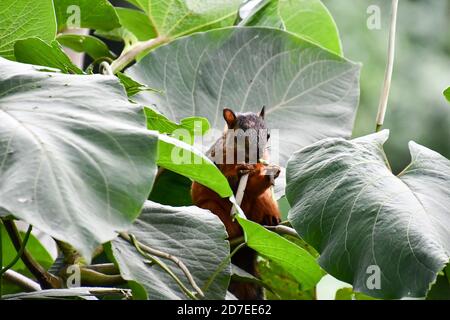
point(258, 203)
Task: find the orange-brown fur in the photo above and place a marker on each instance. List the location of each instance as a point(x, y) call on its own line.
point(258, 205)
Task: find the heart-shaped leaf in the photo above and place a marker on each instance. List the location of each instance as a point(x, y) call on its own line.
point(387, 235)
point(306, 18)
point(309, 93)
point(24, 19)
point(447, 94)
point(193, 235)
point(76, 159)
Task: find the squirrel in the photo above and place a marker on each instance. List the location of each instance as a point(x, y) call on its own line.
point(258, 203)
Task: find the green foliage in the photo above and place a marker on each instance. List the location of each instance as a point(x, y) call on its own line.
point(296, 261)
point(92, 46)
point(283, 286)
point(348, 205)
point(195, 126)
point(416, 109)
point(136, 22)
point(78, 157)
point(193, 235)
point(306, 18)
point(37, 52)
point(93, 14)
point(18, 21)
point(55, 140)
point(447, 94)
point(201, 74)
point(131, 86)
point(179, 186)
point(177, 18)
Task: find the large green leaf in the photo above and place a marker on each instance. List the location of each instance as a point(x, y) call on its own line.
point(76, 159)
point(309, 93)
point(37, 52)
point(23, 19)
point(181, 17)
point(347, 204)
point(93, 14)
point(193, 235)
point(296, 261)
point(307, 18)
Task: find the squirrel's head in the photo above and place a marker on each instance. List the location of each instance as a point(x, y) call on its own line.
point(244, 121)
point(250, 128)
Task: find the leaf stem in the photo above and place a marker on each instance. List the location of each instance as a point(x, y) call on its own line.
point(128, 56)
point(382, 107)
point(221, 266)
point(163, 266)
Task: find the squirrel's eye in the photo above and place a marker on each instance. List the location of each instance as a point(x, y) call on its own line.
point(268, 136)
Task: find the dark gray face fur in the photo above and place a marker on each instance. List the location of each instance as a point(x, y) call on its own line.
point(249, 120)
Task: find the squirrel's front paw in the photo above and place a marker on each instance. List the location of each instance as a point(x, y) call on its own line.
point(270, 220)
point(245, 168)
point(272, 172)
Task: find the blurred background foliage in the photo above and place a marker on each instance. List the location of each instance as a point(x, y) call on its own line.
point(417, 109)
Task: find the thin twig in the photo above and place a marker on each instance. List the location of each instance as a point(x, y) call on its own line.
point(19, 252)
point(389, 68)
point(178, 262)
point(163, 266)
point(240, 192)
point(127, 57)
point(280, 229)
point(19, 279)
point(221, 266)
point(45, 279)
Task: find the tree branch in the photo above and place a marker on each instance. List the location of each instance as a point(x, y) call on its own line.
point(382, 107)
point(25, 283)
point(128, 56)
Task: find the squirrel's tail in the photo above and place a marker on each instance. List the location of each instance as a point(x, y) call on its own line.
point(245, 259)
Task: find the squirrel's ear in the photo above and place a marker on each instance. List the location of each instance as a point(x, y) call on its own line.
point(261, 113)
point(230, 117)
